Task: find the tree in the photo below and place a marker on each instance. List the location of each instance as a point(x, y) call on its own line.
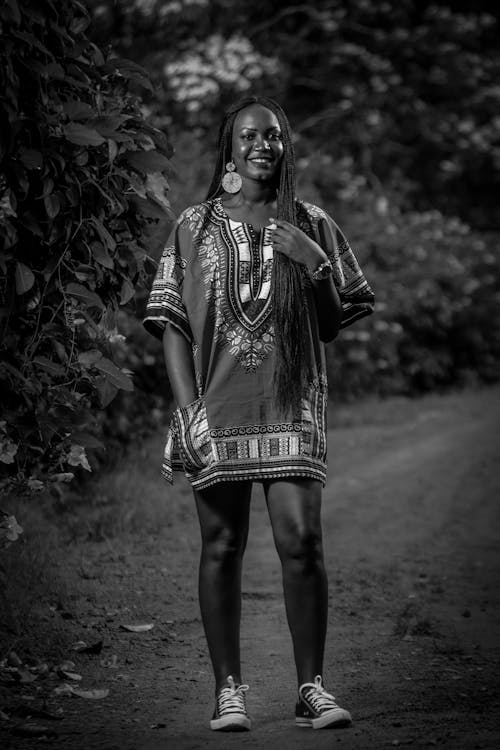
point(82, 179)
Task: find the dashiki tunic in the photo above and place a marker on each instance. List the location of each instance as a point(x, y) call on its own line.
point(214, 284)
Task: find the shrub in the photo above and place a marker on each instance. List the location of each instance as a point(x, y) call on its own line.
point(82, 179)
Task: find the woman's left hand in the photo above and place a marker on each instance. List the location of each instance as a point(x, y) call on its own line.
point(294, 243)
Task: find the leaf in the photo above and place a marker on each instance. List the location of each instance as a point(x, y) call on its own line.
point(11, 12)
point(157, 187)
point(32, 41)
point(101, 255)
point(63, 476)
point(148, 161)
point(106, 390)
point(108, 126)
point(80, 292)
point(31, 158)
point(77, 110)
point(24, 676)
point(89, 358)
point(25, 278)
point(53, 70)
point(48, 365)
point(78, 457)
point(93, 695)
point(82, 648)
point(106, 237)
point(142, 628)
point(52, 205)
point(81, 135)
point(9, 527)
point(112, 150)
point(126, 292)
point(63, 691)
point(129, 70)
point(69, 675)
point(115, 376)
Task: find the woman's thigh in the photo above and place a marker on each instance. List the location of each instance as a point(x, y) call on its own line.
point(223, 512)
point(294, 507)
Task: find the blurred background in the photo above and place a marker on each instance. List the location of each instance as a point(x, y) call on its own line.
point(395, 108)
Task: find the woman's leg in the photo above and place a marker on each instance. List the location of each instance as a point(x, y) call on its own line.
point(295, 511)
point(223, 512)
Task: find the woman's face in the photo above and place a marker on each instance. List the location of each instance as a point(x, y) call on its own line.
point(257, 143)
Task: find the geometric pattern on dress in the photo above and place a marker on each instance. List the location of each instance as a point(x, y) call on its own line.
point(236, 263)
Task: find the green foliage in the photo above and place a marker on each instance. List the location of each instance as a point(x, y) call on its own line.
point(82, 179)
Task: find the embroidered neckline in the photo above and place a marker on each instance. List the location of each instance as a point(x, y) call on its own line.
point(220, 206)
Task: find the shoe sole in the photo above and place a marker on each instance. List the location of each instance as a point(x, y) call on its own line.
point(231, 723)
point(338, 717)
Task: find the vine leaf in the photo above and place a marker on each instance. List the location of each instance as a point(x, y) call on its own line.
point(106, 237)
point(82, 135)
point(113, 373)
point(49, 365)
point(91, 299)
point(101, 255)
point(25, 278)
point(89, 358)
point(148, 161)
point(52, 205)
point(77, 110)
point(127, 292)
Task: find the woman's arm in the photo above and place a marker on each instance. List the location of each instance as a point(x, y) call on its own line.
point(294, 243)
point(328, 307)
point(179, 363)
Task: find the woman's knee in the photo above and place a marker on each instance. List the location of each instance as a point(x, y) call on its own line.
point(222, 545)
point(300, 547)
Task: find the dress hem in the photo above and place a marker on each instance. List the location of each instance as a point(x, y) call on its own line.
point(256, 475)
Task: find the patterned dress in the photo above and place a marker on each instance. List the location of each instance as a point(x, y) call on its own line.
point(214, 284)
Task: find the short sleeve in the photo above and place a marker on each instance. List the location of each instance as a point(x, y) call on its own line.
point(165, 303)
point(355, 293)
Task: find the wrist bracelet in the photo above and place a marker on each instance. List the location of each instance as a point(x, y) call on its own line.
point(323, 271)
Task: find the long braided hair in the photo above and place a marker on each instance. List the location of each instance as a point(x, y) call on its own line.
point(289, 302)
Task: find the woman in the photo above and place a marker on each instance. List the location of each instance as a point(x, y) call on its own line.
point(243, 302)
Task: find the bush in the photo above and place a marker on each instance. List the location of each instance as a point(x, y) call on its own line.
point(82, 181)
point(437, 319)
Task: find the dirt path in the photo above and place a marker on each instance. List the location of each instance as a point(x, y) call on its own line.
point(411, 525)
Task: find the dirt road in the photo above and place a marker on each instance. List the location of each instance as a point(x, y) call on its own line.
point(411, 526)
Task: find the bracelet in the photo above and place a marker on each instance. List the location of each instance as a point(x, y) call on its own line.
point(323, 271)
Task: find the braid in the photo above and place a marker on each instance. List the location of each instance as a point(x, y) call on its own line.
point(290, 318)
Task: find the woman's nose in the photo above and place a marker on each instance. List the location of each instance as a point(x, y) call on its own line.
point(262, 143)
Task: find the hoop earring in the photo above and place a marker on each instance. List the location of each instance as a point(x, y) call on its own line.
point(231, 182)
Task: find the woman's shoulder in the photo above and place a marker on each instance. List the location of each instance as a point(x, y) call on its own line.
point(193, 216)
point(313, 212)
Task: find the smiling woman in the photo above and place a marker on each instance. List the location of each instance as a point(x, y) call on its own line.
point(251, 283)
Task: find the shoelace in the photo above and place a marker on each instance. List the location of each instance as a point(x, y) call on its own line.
point(231, 699)
point(318, 697)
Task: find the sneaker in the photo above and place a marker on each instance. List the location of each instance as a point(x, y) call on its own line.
point(317, 709)
point(230, 713)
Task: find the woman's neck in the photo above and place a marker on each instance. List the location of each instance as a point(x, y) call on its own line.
point(254, 194)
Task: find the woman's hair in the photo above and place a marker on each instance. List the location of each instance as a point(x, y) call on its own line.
point(289, 303)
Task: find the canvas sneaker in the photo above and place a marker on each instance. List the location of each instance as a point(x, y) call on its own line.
point(230, 713)
point(317, 709)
